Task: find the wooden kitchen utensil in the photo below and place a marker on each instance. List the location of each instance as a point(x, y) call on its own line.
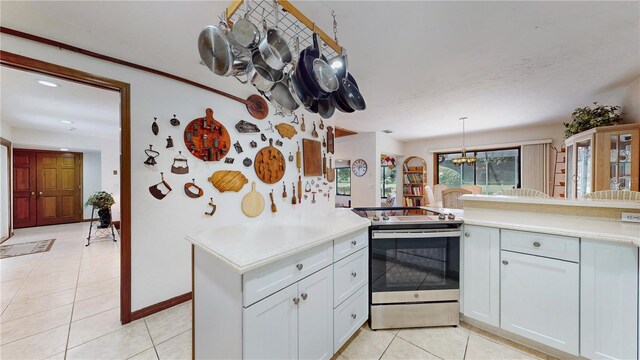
point(331, 172)
point(206, 138)
point(298, 158)
point(273, 205)
point(303, 127)
point(228, 180)
point(269, 164)
point(293, 194)
point(330, 139)
point(324, 164)
point(213, 208)
point(321, 126)
point(312, 157)
point(314, 132)
point(253, 202)
point(286, 130)
point(300, 189)
point(284, 190)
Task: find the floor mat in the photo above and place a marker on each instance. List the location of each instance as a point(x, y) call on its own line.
point(32, 247)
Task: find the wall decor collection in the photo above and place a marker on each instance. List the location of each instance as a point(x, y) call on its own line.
point(207, 139)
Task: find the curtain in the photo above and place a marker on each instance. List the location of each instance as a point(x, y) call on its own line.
point(535, 167)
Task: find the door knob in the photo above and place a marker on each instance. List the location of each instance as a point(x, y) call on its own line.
point(33, 193)
point(40, 193)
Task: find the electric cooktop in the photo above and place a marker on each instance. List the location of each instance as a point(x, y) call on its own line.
point(404, 215)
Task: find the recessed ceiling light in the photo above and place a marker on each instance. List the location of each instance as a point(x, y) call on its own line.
point(387, 131)
point(64, 149)
point(47, 83)
point(66, 122)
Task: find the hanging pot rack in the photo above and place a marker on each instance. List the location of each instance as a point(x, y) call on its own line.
point(291, 21)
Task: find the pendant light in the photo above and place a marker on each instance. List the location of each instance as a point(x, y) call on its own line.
point(464, 159)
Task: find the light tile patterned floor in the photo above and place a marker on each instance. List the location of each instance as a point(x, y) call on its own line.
point(65, 304)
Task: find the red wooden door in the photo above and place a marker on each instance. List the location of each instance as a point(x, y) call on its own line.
point(59, 183)
point(24, 188)
point(47, 188)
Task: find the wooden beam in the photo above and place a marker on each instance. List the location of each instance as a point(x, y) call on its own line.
point(232, 8)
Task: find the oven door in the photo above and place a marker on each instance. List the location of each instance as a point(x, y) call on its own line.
point(410, 266)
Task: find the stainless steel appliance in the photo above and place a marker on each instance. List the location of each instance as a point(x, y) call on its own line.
point(414, 267)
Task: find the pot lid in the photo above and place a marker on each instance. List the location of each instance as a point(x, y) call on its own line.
point(214, 50)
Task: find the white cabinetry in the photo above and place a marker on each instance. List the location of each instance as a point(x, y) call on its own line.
point(482, 274)
point(315, 316)
point(540, 299)
point(609, 293)
point(271, 327)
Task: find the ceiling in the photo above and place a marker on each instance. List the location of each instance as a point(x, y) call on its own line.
point(420, 64)
point(25, 103)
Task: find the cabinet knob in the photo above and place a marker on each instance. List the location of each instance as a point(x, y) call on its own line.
point(467, 234)
point(354, 274)
point(354, 316)
point(505, 262)
point(296, 300)
point(536, 244)
point(299, 266)
point(353, 243)
point(304, 296)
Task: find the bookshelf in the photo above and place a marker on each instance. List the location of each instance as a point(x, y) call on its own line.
point(414, 179)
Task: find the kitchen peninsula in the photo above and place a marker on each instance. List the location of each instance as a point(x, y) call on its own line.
point(558, 275)
point(292, 287)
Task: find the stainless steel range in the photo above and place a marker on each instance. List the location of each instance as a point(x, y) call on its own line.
point(414, 267)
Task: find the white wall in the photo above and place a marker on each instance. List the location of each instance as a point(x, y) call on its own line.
point(630, 104)
point(4, 193)
point(365, 190)
point(423, 148)
point(91, 179)
point(161, 257)
point(104, 151)
point(5, 130)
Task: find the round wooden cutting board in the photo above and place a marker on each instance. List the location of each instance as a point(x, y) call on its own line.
point(252, 203)
point(270, 164)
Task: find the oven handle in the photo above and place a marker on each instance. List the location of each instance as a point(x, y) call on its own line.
point(414, 234)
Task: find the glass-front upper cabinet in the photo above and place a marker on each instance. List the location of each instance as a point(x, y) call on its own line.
point(604, 158)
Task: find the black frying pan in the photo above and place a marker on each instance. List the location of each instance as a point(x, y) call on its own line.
point(349, 93)
point(304, 70)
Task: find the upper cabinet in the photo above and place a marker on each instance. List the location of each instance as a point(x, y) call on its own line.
point(604, 158)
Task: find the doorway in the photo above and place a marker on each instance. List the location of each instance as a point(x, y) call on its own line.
point(124, 174)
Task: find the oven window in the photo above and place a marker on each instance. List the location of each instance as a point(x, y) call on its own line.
point(415, 264)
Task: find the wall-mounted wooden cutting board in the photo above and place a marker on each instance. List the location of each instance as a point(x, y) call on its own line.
point(228, 180)
point(270, 164)
point(312, 157)
point(252, 203)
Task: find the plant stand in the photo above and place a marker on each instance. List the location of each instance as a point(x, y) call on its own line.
point(96, 232)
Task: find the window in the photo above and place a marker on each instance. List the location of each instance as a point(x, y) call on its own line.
point(343, 181)
point(495, 170)
point(387, 181)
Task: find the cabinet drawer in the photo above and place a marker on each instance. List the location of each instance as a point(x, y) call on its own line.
point(349, 316)
point(349, 274)
point(264, 281)
point(349, 244)
point(553, 246)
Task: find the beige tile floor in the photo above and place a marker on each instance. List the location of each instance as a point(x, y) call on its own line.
point(65, 304)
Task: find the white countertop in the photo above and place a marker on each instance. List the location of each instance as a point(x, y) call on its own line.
point(253, 244)
point(617, 204)
point(592, 228)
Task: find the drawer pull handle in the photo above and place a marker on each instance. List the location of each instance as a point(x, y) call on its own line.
point(299, 266)
point(304, 296)
point(467, 234)
point(505, 262)
point(354, 316)
point(354, 274)
point(536, 244)
point(296, 300)
point(354, 243)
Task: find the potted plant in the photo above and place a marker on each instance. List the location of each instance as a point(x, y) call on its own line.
point(102, 201)
point(588, 118)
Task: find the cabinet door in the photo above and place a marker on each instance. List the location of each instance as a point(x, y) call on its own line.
point(315, 315)
point(270, 326)
point(482, 274)
point(540, 299)
point(609, 293)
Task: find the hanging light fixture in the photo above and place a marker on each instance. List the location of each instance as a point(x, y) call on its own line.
point(464, 159)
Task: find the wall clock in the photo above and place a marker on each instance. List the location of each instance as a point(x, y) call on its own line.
point(359, 167)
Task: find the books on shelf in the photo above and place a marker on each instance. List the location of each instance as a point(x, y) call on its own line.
point(414, 190)
point(411, 201)
point(413, 178)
